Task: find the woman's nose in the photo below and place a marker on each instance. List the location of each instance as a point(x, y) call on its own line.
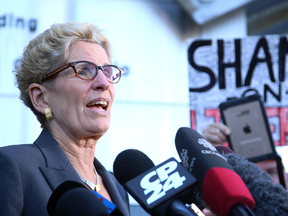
point(100, 81)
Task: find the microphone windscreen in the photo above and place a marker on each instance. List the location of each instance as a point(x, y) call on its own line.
point(129, 164)
point(223, 188)
point(270, 198)
point(74, 199)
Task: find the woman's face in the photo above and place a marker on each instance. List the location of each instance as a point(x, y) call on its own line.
point(79, 106)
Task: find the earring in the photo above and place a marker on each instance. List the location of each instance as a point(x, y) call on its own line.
point(48, 113)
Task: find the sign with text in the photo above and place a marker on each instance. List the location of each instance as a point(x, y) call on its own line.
point(220, 69)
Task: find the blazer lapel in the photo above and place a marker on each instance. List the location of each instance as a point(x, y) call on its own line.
point(111, 188)
point(58, 168)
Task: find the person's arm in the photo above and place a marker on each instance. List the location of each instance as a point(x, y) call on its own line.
point(216, 133)
point(11, 192)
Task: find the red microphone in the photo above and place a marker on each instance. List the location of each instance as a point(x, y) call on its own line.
point(222, 189)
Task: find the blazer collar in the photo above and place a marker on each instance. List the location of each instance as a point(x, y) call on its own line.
point(111, 188)
point(59, 169)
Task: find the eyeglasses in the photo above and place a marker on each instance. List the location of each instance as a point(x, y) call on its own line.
point(87, 71)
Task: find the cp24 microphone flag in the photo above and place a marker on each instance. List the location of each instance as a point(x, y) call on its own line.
point(220, 186)
point(158, 189)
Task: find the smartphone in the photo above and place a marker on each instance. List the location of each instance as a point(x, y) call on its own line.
point(250, 132)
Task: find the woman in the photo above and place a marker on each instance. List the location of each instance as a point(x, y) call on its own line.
point(66, 79)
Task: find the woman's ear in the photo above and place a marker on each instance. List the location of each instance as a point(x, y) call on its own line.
point(37, 97)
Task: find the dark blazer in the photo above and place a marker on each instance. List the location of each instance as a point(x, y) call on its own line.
point(29, 173)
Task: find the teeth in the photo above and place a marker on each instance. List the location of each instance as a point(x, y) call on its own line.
point(102, 103)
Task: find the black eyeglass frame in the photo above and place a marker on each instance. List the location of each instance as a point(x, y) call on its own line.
point(72, 64)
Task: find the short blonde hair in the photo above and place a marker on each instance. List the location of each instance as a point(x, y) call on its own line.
point(49, 51)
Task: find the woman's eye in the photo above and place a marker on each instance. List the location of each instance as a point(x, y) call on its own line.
point(84, 72)
point(108, 72)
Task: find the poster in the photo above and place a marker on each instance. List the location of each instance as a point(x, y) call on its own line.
point(220, 69)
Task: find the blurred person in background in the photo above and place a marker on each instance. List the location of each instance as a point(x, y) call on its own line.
point(66, 78)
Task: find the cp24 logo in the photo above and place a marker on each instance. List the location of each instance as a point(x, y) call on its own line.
point(161, 180)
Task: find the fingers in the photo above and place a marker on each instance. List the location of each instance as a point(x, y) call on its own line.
point(216, 133)
point(207, 212)
point(223, 128)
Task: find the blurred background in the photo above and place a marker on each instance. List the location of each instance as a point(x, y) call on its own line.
point(150, 41)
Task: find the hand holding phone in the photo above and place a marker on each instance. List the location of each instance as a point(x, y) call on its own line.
point(250, 133)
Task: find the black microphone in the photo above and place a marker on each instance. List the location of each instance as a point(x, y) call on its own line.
point(222, 189)
point(158, 189)
point(74, 199)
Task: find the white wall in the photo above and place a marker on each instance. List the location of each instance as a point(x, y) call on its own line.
point(151, 100)
point(17, 123)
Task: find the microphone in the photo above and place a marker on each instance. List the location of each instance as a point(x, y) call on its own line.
point(222, 189)
point(158, 189)
point(74, 199)
point(270, 198)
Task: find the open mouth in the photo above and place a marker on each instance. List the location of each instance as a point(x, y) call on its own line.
point(100, 105)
